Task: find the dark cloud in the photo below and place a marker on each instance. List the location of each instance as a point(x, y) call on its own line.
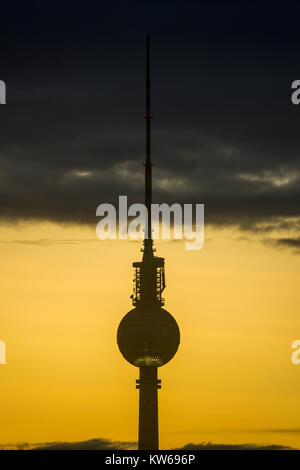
point(210, 446)
point(292, 243)
point(105, 444)
point(91, 444)
point(224, 130)
point(289, 242)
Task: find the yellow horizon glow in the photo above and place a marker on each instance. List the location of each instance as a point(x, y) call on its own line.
point(63, 294)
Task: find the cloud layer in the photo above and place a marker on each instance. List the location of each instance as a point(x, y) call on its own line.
point(224, 130)
point(105, 444)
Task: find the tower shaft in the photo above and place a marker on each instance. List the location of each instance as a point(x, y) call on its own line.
point(148, 408)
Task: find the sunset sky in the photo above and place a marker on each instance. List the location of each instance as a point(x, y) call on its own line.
point(232, 380)
point(225, 134)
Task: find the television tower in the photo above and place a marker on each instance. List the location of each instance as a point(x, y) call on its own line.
point(148, 336)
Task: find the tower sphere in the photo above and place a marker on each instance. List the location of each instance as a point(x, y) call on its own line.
point(148, 336)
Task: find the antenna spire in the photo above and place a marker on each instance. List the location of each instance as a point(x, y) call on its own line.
point(148, 164)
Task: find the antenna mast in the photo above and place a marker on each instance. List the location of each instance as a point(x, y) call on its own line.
point(148, 250)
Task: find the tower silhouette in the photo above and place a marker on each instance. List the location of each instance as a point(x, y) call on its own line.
point(148, 336)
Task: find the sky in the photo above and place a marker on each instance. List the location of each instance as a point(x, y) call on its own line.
point(224, 133)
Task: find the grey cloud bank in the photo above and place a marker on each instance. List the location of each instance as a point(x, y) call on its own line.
point(225, 132)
